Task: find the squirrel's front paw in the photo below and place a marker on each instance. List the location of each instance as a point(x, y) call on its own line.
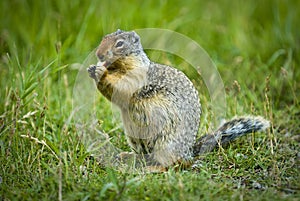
point(91, 70)
point(96, 72)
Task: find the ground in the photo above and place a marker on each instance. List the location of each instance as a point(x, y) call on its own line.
point(254, 45)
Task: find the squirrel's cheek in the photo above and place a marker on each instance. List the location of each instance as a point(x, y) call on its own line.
point(110, 54)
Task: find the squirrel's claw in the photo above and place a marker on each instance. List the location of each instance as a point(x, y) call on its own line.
point(92, 72)
point(96, 72)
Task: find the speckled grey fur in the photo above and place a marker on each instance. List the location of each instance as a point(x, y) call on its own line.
point(160, 106)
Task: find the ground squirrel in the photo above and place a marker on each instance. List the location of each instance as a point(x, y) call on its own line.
point(159, 105)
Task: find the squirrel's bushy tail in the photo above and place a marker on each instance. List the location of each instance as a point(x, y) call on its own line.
point(230, 131)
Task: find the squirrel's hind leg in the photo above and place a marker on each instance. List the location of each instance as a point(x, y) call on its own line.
point(138, 162)
point(146, 163)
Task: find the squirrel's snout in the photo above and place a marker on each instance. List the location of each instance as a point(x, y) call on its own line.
point(101, 57)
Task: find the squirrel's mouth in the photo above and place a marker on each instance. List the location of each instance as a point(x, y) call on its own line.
point(106, 64)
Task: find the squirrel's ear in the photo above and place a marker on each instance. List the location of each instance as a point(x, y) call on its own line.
point(119, 31)
point(135, 38)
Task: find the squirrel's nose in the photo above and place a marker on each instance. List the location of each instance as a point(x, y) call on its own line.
point(101, 57)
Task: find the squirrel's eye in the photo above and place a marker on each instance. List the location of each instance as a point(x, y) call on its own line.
point(119, 44)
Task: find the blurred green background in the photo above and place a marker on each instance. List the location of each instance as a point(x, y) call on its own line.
point(254, 44)
point(263, 34)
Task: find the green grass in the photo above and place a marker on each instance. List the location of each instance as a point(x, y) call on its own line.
point(255, 45)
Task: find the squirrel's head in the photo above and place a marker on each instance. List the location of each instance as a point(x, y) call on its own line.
point(118, 45)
